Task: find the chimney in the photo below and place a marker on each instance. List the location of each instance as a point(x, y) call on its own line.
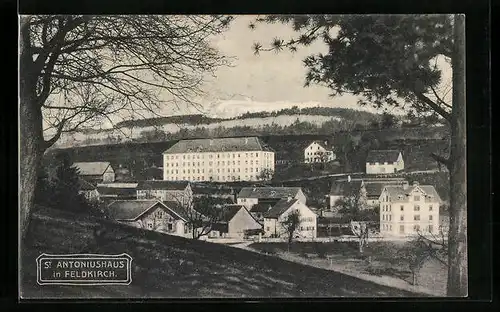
point(246, 140)
point(348, 178)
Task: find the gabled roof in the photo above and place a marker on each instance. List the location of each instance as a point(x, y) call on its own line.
point(400, 194)
point(85, 185)
point(343, 188)
point(212, 190)
point(277, 210)
point(131, 210)
point(116, 191)
point(177, 208)
point(382, 156)
point(320, 143)
point(230, 211)
point(91, 168)
point(268, 192)
point(261, 207)
point(162, 185)
point(218, 145)
point(374, 187)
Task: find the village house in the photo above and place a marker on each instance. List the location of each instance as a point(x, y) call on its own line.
point(151, 214)
point(384, 162)
point(235, 222)
point(249, 196)
point(347, 188)
point(274, 218)
point(179, 191)
point(95, 172)
point(88, 190)
point(408, 210)
point(318, 152)
point(217, 159)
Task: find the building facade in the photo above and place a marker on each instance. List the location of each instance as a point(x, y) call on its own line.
point(318, 152)
point(409, 210)
point(384, 162)
point(218, 160)
point(274, 218)
point(152, 215)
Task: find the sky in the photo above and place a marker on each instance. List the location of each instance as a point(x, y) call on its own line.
point(268, 81)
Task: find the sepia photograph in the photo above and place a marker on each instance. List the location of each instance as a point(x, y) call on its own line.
point(242, 156)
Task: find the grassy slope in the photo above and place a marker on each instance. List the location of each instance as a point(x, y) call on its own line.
point(167, 266)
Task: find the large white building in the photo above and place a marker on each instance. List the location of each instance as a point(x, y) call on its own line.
point(218, 159)
point(408, 210)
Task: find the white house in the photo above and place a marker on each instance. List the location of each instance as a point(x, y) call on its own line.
point(236, 220)
point(408, 210)
point(318, 152)
point(217, 159)
point(154, 215)
point(384, 162)
point(374, 187)
point(273, 219)
point(249, 196)
point(179, 191)
point(88, 190)
point(98, 171)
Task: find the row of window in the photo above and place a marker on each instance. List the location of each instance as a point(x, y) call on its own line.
point(212, 163)
point(416, 228)
point(210, 156)
point(223, 170)
point(308, 219)
point(402, 208)
point(212, 178)
point(385, 163)
point(402, 217)
point(306, 228)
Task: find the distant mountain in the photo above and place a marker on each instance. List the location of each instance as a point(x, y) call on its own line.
point(199, 119)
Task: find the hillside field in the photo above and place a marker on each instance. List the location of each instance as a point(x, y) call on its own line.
point(166, 266)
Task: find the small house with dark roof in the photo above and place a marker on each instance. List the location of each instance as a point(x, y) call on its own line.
point(374, 188)
point(213, 191)
point(408, 210)
point(152, 215)
point(235, 221)
point(97, 171)
point(250, 196)
point(274, 218)
point(318, 152)
point(112, 193)
point(347, 188)
point(384, 162)
point(179, 191)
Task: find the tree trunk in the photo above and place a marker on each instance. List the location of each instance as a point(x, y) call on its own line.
point(457, 236)
point(31, 133)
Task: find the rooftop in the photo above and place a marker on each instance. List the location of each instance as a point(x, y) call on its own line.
point(132, 209)
point(261, 207)
point(277, 210)
point(344, 188)
point(116, 191)
point(91, 168)
point(400, 193)
point(218, 145)
point(382, 156)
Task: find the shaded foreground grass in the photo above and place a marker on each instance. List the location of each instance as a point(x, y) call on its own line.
point(173, 267)
point(378, 259)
